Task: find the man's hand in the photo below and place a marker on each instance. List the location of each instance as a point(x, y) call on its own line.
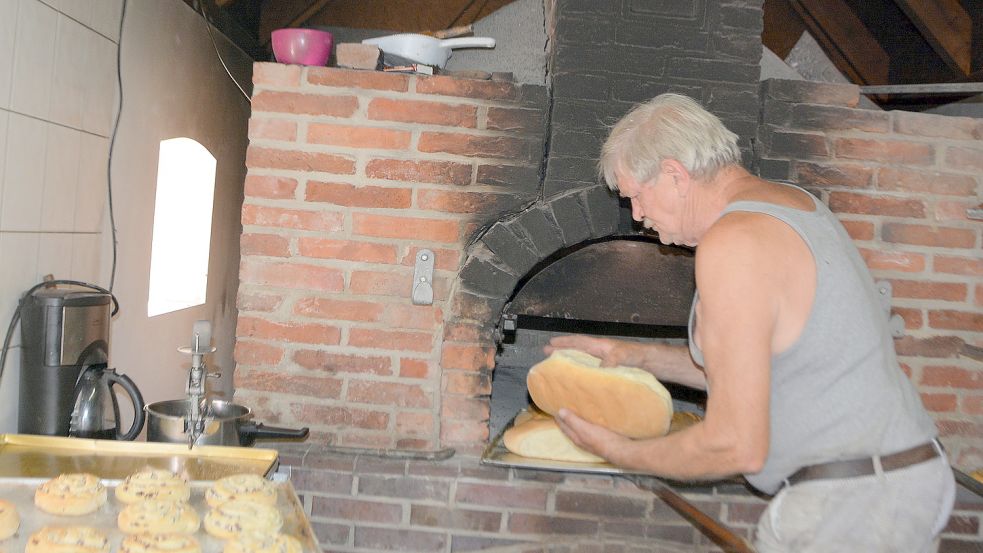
point(611, 352)
point(591, 437)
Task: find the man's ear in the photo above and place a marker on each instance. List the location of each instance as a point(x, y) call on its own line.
point(681, 179)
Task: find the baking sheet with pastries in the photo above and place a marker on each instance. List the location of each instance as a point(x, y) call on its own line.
point(20, 491)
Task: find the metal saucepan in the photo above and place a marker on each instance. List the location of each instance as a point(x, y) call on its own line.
point(225, 424)
point(414, 48)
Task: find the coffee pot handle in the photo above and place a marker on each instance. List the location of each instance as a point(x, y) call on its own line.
point(139, 413)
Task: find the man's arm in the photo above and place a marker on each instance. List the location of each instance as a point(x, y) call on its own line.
point(738, 269)
point(668, 362)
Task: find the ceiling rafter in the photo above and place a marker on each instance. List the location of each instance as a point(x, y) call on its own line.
point(947, 28)
point(845, 39)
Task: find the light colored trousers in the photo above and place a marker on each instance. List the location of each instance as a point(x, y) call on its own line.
point(902, 511)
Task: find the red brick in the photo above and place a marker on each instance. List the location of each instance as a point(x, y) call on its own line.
point(932, 346)
point(324, 415)
point(464, 202)
point(348, 250)
point(525, 523)
point(959, 524)
point(357, 136)
point(859, 230)
point(350, 195)
point(979, 294)
point(276, 217)
point(276, 74)
point(355, 55)
point(413, 317)
point(505, 147)
point(346, 310)
point(843, 174)
point(267, 128)
point(884, 151)
point(292, 275)
point(924, 235)
point(389, 538)
point(354, 78)
point(414, 424)
point(470, 358)
point(270, 158)
point(522, 120)
point(406, 228)
point(466, 383)
point(318, 360)
point(357, 438)
point(949, 210)
point(390, 340)
point(893, 260)
point(457, 407)
point(254, 353)
point(849, 202)
point(414, 368)
point(329, 388)
point(933, 125)
point(494, 495)
point(960, 428)
point(264, 244)
point(416, 111)
point(380, 283)
point(459, 433)
point(357, 510)
point(940, 403)
point(306, 104)
point(913, 318)
point(248, 301)
point(964, 159)
point(947, 376)
point(455, 518)
point(276, 188)
point(950, 319)
point(308, 333)
point(972, 405)
point(468, 88)
point(600, 504)
point(435, 172)
point(946, 291)
point(445, 259)
point(929, 182)
point(463, 332)
point(388, 393)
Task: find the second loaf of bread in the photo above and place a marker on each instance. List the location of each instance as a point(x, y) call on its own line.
point(627, 400)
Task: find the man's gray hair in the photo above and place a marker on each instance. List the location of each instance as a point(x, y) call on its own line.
point(669, 126)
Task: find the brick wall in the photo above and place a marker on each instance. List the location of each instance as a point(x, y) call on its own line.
point(901, 183)
point(349, 175)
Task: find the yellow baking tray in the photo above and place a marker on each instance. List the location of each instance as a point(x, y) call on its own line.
point(28, 456)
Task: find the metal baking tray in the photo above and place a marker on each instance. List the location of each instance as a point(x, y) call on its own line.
point(28, 456)
point(20, 491)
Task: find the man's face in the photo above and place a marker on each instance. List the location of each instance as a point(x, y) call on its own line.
point(655, 204)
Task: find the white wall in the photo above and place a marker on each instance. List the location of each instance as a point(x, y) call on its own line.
point(57, 101)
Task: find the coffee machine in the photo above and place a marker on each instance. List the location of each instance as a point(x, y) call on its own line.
point(65, 383)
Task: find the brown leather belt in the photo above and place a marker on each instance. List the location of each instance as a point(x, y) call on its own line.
point(865, 467)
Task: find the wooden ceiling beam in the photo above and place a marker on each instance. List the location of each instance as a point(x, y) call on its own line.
point(846, 40)
point(947, 28)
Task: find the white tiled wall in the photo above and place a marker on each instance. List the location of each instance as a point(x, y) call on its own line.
point(57, 100)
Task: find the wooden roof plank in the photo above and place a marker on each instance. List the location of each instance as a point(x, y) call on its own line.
point(845, 39)
point(947, 28)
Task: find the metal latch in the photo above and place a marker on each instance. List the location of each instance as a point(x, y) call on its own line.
point(894, 322)
point(423, 278)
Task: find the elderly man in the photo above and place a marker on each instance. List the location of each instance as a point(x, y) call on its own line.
point(805, 395)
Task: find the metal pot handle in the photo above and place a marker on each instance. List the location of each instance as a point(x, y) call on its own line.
point(139, 413)
point(249, 431)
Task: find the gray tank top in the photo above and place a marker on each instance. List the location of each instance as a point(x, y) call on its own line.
point(838, 391)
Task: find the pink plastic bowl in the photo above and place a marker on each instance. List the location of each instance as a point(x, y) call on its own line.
point(302, 46)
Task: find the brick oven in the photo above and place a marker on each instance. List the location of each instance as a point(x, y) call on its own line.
point(351, 174)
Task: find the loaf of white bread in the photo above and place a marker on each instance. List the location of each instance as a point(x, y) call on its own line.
point(626, 400)
point(536, 435)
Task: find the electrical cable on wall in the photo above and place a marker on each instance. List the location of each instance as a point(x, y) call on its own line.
point(112, 143)
point(208, 27)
